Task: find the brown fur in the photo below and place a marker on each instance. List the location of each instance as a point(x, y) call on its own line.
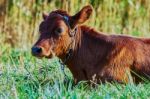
point(96, 56)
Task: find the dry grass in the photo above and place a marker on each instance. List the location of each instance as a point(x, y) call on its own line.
point(19, 19)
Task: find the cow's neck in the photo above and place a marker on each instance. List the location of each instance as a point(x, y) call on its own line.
point(89, 44)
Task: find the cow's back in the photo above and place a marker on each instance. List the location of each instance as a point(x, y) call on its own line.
point(127, 54)
point(139, 49)
point(142, 58)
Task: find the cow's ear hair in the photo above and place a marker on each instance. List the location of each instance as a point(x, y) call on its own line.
point(44, 15)
point(82, 15)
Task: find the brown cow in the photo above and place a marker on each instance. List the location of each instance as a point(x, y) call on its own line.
point(93, 55)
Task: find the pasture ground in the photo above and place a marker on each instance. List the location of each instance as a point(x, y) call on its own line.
point(24, 77)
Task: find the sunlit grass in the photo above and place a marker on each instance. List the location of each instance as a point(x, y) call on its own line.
point(25, 77)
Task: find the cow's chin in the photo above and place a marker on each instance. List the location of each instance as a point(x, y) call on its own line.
point(44, 56)
point(39, 56)
point(49, 56)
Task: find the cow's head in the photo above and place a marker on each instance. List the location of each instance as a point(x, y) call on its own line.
point(55, 30)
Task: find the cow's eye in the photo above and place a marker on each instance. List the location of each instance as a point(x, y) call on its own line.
point(59, 30)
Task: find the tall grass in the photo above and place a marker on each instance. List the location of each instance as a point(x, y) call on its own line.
point(25, 77)
point(20, 19)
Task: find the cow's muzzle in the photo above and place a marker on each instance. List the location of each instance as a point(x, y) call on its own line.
point(36, 51)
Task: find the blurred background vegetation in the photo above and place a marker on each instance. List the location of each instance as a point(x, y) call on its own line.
point(19, 19)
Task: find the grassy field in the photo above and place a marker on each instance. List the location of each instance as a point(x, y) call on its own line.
point(24, 77)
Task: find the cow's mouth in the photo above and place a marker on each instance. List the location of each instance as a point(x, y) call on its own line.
point(49, 56)
point(37, 55)
point(43, 56)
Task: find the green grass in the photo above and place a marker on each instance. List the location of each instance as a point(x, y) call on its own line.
point(24, 77)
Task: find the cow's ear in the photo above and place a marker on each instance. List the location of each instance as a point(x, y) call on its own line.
point(82, 15)
point(45, 15)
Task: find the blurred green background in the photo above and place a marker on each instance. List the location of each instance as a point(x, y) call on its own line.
point(19, 19)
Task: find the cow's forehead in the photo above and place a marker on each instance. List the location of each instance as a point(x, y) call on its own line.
point(53, 17)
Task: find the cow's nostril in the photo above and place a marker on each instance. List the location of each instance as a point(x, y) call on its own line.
point(36, 50)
